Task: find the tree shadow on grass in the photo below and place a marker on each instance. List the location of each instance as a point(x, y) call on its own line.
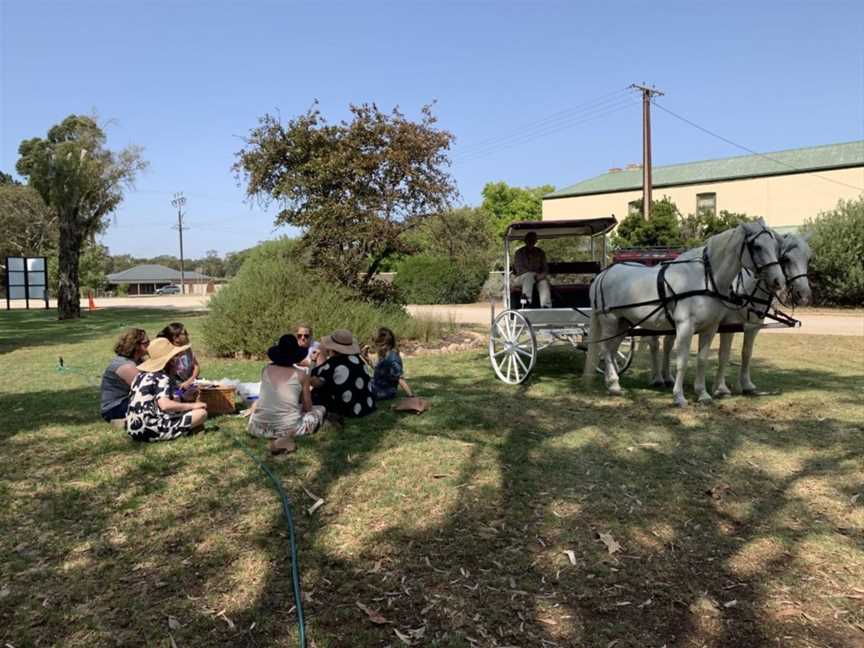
point(700, 563)
point(538, 472)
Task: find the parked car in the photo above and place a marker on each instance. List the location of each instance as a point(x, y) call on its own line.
point(170, 289)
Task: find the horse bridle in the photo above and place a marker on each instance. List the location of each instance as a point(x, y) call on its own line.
point(748, 244)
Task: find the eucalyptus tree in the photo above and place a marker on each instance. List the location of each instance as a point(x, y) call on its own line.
point(83, 182)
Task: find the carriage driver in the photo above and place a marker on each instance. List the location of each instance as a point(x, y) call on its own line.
point(531, 268)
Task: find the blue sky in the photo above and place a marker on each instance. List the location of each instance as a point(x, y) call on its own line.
point(186, 80)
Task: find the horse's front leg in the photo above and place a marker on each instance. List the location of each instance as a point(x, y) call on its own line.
point(656, 366)
point(610, 370)
point(720, 387)
point(681, 350)
point(744, 383)
point(705, 339)
point(668, 342)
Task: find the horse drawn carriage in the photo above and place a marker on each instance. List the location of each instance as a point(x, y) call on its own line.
point(728, 285)
point(524, 328)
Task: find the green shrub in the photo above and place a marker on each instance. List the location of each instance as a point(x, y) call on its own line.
point(273, 292)
point(664, 228)
point(122, 290)
point(427, 279)
point(837, 265)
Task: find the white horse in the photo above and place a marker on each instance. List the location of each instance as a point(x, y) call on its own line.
point(794, 260)
point(690, 296)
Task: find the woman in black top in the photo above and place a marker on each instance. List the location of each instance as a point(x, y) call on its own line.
point(341, 383)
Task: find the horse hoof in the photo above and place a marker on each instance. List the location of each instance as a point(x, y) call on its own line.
point(680, 401)
point(616, 391)
point(668, 382)
point(659, 383)
point(749, 391)
point(722, 393)
point(705, 399)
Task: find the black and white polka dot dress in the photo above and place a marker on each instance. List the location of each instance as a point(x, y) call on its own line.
point(144, 420)
point(347, 388)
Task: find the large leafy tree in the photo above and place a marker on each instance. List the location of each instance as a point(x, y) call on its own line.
point(506, 204)
point(353, 187)
point(29, 227)
point(83, 182)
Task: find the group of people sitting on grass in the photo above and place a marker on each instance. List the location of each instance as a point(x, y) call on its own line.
point(149, 388)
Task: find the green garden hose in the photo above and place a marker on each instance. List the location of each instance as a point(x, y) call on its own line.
point(286, 510)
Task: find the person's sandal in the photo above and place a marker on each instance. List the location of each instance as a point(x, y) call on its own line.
point(282, 445)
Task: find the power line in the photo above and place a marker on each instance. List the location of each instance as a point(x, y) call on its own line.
point(548, 120)
point(545, 129)
point(749, 150)
point(537, 134)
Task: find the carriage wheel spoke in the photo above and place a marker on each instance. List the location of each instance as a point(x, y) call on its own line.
point(519, 331)
point(519, 360)
point(509, 363)
point(522, 351)
point(515, 367)
point(501, 331)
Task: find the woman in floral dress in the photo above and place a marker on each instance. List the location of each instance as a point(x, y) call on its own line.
point(154, 414)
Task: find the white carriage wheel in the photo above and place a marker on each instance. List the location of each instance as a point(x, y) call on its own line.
point(512, 347)
point(623, 357)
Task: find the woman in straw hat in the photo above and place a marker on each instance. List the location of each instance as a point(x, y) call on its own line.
point(284, 408)
point(153, 413)
point(341, 382)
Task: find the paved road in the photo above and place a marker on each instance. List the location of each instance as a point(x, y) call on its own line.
point(186, 302)
point(814, 321)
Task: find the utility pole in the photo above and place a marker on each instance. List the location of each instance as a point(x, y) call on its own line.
point(179, 201)
point(647, 93)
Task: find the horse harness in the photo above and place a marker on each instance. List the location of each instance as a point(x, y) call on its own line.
point(667, 295)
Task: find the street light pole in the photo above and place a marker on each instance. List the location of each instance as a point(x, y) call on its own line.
point(647, 93)
point(179, 201)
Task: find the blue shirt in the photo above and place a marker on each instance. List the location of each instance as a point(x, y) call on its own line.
point(388, 371)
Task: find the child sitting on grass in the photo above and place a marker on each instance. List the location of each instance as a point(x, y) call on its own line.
point(188, 368)
point(388, 371)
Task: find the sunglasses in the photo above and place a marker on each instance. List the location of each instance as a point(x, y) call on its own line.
point(304, 335)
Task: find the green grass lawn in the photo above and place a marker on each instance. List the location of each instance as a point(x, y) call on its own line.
point(542, 515)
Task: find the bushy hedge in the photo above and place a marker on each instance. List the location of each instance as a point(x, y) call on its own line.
point(273, 292)
point(837, 265)
point(428, 279)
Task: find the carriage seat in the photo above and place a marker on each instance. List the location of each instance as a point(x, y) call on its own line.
point(574, 267)
point(565, 296)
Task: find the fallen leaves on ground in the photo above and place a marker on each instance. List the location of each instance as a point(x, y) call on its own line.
point(374, 616)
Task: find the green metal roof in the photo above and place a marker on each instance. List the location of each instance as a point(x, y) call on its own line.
point(815, 158)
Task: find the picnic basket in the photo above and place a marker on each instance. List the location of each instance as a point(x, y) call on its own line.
point(219, 399)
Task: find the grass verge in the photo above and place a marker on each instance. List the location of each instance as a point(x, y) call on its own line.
point(541, 515)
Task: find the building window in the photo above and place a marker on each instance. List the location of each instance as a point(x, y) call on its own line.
point(634, 208)
point(706, 203)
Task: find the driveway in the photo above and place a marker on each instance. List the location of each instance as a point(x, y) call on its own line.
point(814, 321)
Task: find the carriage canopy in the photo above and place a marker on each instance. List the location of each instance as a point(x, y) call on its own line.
point(558, 228)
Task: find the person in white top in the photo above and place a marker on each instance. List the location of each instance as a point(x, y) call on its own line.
point(284, 408)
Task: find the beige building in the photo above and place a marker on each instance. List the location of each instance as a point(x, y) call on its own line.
point(786, 187)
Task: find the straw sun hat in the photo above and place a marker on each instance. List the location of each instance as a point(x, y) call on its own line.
point(342, 341)
point(161, 350)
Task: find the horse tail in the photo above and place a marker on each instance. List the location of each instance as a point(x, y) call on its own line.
point(592, 354)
